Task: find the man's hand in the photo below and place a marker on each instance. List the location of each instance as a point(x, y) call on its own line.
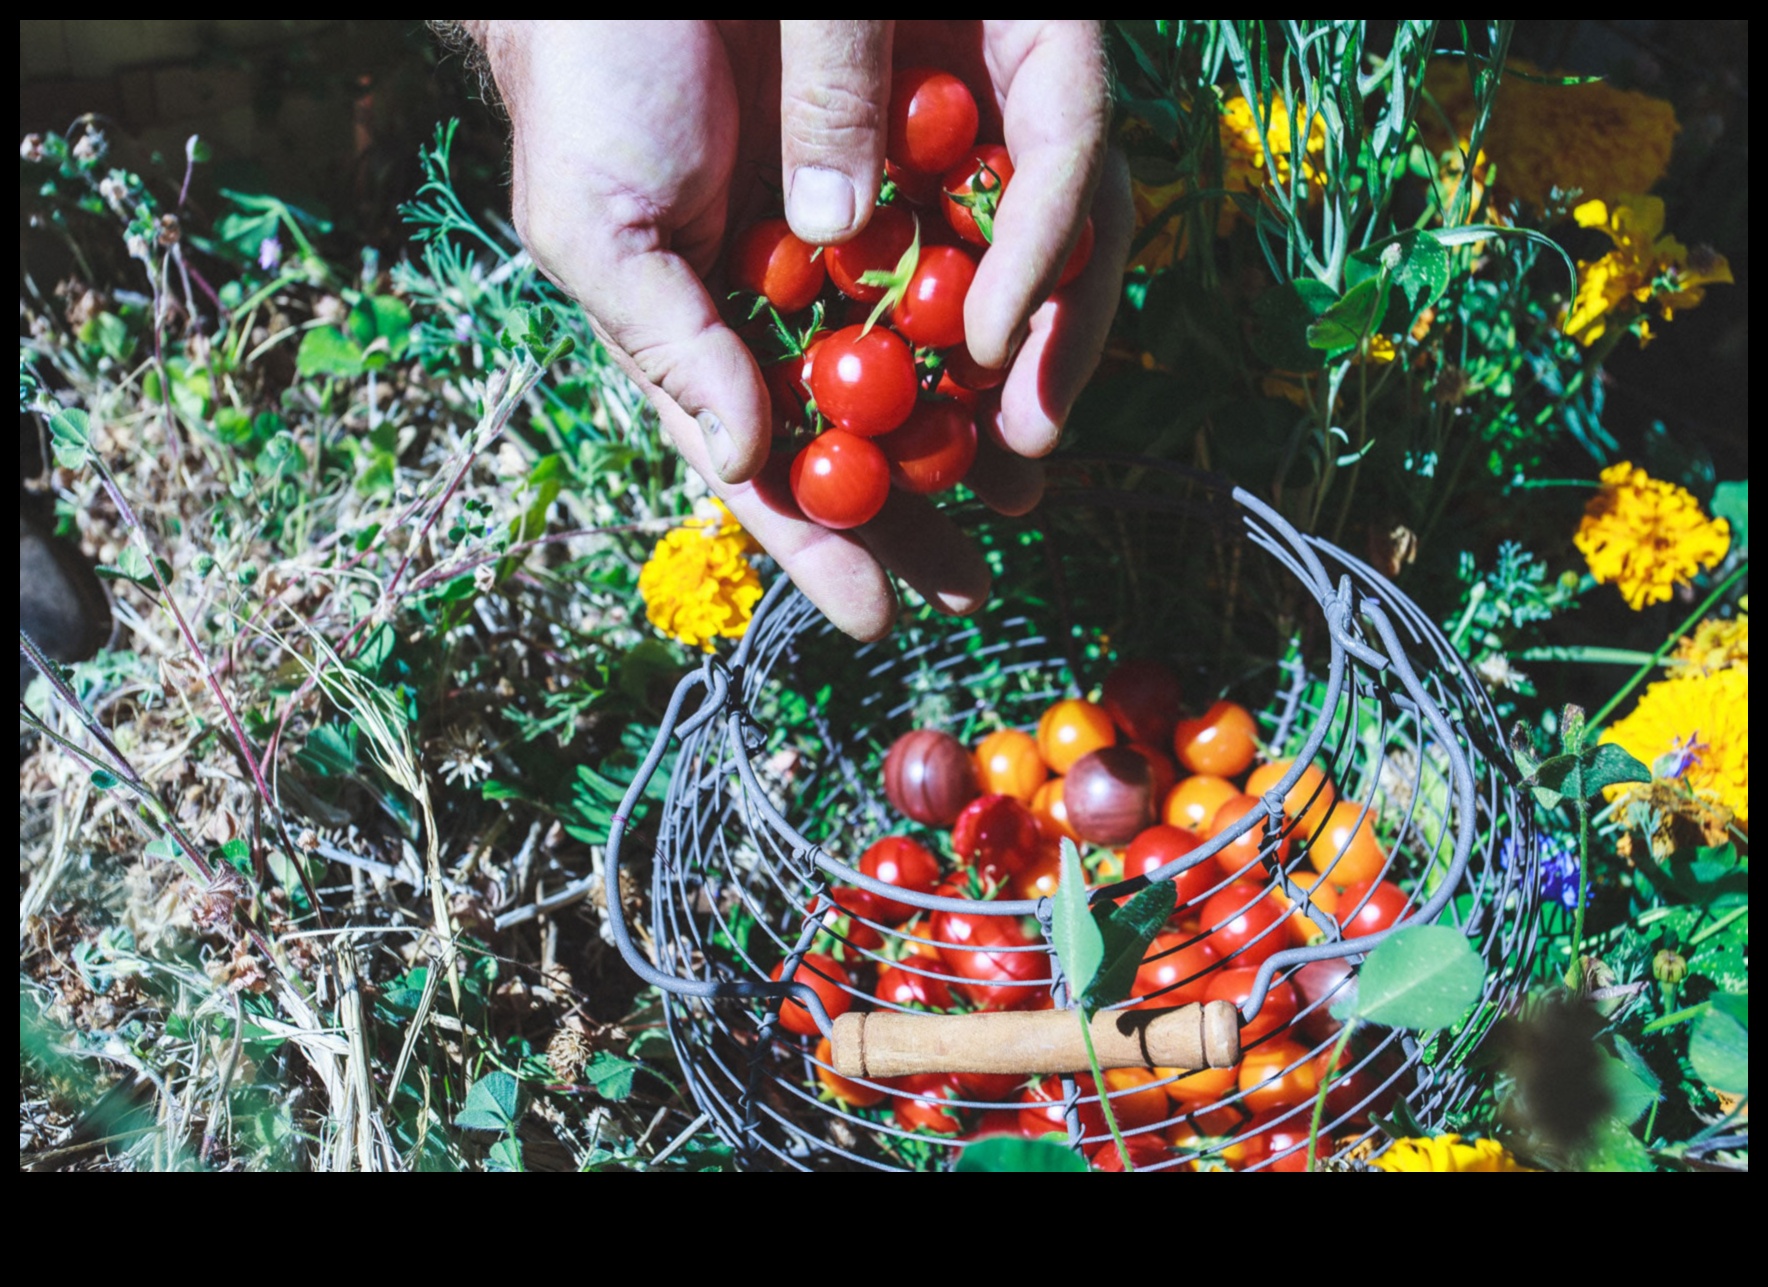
point(640, 147)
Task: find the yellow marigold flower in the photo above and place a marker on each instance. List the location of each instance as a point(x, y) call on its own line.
point(698, 584)
point(1167, 246)
point(1590, 139)
point(1704, 722)
point(1447, 1153)
point(1715, 645)
point(1647, 536)
point(1644, 267)
point(1243, 146)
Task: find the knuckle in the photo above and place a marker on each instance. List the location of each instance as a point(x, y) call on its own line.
point(832, 117)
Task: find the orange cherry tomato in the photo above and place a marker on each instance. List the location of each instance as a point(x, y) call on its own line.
point(1071, 729)
point(1212, 1152)
point(1345, 851)
point(1204, 1088)
point(1277, 1075)
point(1134, 1104)
point(1194, 801)
point(1008, 763)
point(1051, 813)
point(1223, 740)
point(1245, 855)
point(849, 1094)
point(1308, 801)
point(1303, 929)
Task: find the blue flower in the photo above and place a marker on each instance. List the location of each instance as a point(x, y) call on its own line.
point(1559, 871)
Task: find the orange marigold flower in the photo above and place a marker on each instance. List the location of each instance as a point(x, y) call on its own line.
point(698, 584)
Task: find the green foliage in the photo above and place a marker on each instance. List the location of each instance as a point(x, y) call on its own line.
point(1008, 1153)
point(1421, 977)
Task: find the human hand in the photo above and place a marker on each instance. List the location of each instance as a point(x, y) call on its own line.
point(639, 147)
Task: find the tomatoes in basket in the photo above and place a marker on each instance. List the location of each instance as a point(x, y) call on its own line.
point(1174, 971)
point(1041, 1112)
point(1308, 801)
point(982, 952)
point(1251, 853)
point(906, 986)
point(923, 1104)
point(847, 1093)
point(1007, 762)
point(844, 923)
point(1241, 924)
point(1344, 845)
point(1161, 844)
point(1223, 740)
point(1194, 801)
point(1070, 729)
point(997, 835)
point(1142, 697)
point(1370, 906)
point(1235, 987)
point(1134, 1102)
point(1051, 811)
point(899, 861)
point(825, 977)
point(840, 480)
point(1277, 1075)
point(973, 189)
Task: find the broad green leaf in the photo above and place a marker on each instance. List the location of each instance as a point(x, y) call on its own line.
point(1719, 1047)
point(377, 649)
point(1010, 1153)
point(1731, 502)
point(1416, 263)
point(611, 1075)
point(505, 1156)
point(1079, 946)
point(325, 350)
point(1422, 977)
point(133, 565)
point(1351, 319)
point(380, 326)
point(330, 750)
point(1610, 765)
point(236, 853)
point(1125, 933)
point(1632, 1096)
point(1281, 318)
point(1615, 1148)
point(71, 432)
point(491, 1103)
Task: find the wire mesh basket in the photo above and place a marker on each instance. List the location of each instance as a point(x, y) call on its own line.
point(776, 790)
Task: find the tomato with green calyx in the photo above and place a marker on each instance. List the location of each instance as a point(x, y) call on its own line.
point(973, 189)
point(864, 381)
point(930, 313)
point(877, 248)
point(923, 1104)
point(1041, 1112)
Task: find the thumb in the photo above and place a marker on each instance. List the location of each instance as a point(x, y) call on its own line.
point(834, 113)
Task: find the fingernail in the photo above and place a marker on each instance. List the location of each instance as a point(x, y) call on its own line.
point(718, 442)
point(821, 203)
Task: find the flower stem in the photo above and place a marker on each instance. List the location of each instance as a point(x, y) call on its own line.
point(1737, 574)
point(1086, 1035)
point(1574, 972)
point(1680, 1016)
point(1344, 1036)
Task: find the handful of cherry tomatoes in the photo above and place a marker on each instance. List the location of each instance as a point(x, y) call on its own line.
point(871, 382)
point(1005, 804)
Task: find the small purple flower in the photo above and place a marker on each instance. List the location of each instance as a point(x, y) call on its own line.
point(463, 327)
point(1559, 871)
point(269, 254)
point(1682, 756)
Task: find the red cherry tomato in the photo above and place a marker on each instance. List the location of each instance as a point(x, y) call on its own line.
point(899, 985)
point(930, 313)
point(770, 261)
point(1007, 762)
point(1223, 740)
point(1039, 877)
point(1070, 729)
point(984, 173)
point(1278, 1010)
point(1079, 257)
point(994, 1086)
point(1344, 846)
point(1194, 801)
point(933, 120)
point(1246, 854)
point(916, 189)
point(899, 861)
point(922, 1105)
point(1174, 971)
point(1362, 1087)
point(849, 1094)
point(840, 480)
point(1161, 844)
point(1146, 1152)
point(1241, 924)
point(980, 954)
point(844, 923)
point(1042, 1112)
point(876, 248)
point(1282, 1146)
point(997, 835)
point(863, 380)
point(933, 449)
point(1370, 906)
point(827, 979)
point(967, 373)
point(1277, 1075)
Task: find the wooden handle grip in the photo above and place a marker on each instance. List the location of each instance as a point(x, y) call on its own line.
point(889, 1043)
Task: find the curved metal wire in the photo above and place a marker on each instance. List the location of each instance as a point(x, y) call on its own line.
point(774, 790)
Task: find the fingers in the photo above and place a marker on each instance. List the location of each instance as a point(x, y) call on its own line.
point(925, 548)
point(834, 114)
point(1067, 333)
point(1056, 111)
point(1007, 482)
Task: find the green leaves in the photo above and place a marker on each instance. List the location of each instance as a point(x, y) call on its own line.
point(1102, 947)
point(1719, 1048)
point(133, 566)
point(1731, 502)
point(1423, 977)
point(70, 432)
point(1010, 1153)
point(536, 329)
point(376, 331)
point(1579, 773)
point(491, 1103)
